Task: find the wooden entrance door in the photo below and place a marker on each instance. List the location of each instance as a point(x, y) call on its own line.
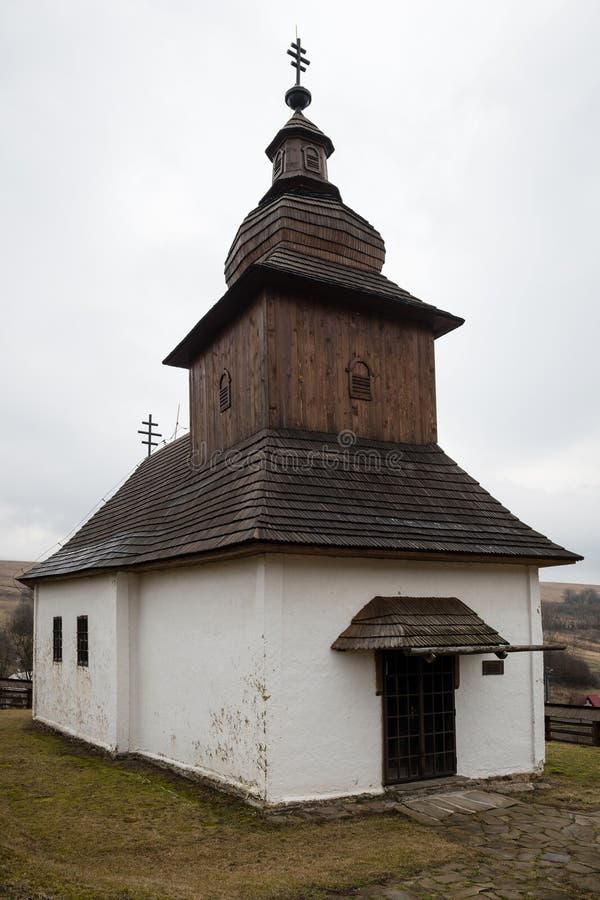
point(418, 716)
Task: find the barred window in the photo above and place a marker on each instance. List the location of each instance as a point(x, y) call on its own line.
point(359, 380)
point(57, 639)
point(82, 641)
point(224, 391)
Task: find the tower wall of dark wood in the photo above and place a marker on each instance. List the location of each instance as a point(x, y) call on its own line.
point(240, 351)
point(310, 347)
point(288, 358)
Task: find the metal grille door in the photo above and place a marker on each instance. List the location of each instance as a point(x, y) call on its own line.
point(418, 714)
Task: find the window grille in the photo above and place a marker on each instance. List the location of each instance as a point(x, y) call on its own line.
point(224, 391)
point(57, 639)
point(418, 717)
point(82, 641)
point(359, 380)
point(312, 160)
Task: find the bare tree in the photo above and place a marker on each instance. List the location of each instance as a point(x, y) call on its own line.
point(6, 654)
point(20, 633)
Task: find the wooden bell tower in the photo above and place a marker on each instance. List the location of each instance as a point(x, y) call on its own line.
point(310, 335)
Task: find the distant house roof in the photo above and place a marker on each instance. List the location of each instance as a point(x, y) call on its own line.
point(588, 700)
point(410, 623)
point(299, 489)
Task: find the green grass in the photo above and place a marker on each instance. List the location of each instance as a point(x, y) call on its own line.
point(77, 825)
point(573, 772)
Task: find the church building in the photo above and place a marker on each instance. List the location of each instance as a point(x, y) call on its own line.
point(305, 597)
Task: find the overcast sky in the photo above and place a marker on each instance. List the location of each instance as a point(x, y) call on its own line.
point(132, 147)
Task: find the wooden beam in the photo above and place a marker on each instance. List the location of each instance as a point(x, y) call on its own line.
point(471, 650)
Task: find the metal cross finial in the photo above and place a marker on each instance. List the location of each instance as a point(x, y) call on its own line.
point(149, 433)
point(299, 60)
point(298, 97)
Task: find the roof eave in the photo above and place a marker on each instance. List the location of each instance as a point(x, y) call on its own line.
point(260, 275)
point(260, 545)
point(299, 130)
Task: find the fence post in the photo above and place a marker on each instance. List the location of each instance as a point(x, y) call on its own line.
point(29, 698)
point(547, 728)
point(595, 734)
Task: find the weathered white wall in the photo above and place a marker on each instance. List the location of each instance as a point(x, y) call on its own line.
point(198, 671)
point(226, 669)
point(325, 718)
point(79, 700)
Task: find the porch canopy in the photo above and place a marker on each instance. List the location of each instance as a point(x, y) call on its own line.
point(426, 626)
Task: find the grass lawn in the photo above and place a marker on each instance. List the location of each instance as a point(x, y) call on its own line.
point(74, 824)
point(573, 772)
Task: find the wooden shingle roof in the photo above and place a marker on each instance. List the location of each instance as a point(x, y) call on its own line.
point(287, 489)
point(325, 272)
point(406, 623)
point(299, 125)
point(318, 226)
point(320, 280)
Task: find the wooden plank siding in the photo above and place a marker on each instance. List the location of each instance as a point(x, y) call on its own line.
point(310, 346)
point(239, 348)
point(288, 358)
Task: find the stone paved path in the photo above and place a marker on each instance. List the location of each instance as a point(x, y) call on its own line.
point(519, 850)
point(437, 807)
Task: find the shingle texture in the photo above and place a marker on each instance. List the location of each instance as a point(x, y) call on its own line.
point(327, 272)
point(299, 124)
point(392, 623)
point(319, 277)
point(298, 488)
point(318, 226)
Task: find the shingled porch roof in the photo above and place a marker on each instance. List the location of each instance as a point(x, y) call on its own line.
point(413, 623)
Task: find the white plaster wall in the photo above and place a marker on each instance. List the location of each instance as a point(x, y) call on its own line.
point(198, 696)
point(226, 669)
point(325, 727)
point(82, 701)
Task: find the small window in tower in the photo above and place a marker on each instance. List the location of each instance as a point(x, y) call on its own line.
point(312, 160)
point(278, 163)
point(57, 639)
point(82, 641)
point(359, 380)
point(224, 391)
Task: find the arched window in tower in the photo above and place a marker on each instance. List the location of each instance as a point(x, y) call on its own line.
point(312, 160)
point(359, 380)
point(278, 163)
point(224, 391)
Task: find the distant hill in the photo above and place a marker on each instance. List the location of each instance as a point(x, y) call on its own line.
point(575, 622)
point(554, 591)
point(10, 589)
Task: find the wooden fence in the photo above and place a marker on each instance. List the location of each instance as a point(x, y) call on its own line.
point(15, 694)
point(573, 724)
